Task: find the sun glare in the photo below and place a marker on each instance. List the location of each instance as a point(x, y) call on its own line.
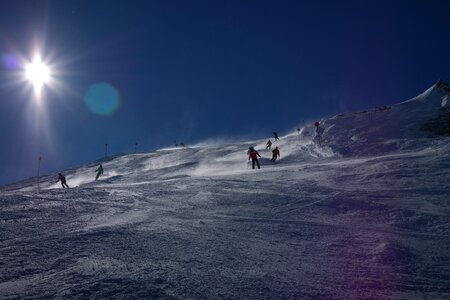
point(37, 73)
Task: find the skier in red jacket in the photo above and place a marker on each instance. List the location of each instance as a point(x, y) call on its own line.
point(63, 180)
point(253, 154)
point(275, 154)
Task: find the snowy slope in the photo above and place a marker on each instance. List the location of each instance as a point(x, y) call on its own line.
point(366, 215)
point(390, 128)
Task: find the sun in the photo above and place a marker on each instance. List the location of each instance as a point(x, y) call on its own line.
point(37, 73)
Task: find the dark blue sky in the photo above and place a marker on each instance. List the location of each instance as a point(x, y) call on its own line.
point(194, 70)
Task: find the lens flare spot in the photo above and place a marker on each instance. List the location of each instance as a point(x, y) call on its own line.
point(10, 61)
point(102, 98)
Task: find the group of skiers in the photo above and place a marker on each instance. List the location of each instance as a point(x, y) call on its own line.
point(253, 154)
point(64, 184)
point(275, 152)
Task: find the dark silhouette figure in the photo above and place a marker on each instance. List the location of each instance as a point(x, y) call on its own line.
point(253, 154)
point(269, 145)
point(275, 154)
point(99, 172)
point(63, 180)
point(275, 135)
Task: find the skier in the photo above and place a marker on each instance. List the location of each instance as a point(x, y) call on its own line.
point(99, 172)
point(63, 180)
point(275, 135)
point(253, 154)
point(275, 154)
point(269, 145)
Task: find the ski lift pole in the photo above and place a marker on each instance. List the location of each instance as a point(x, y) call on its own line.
point(38, 172)
point(318, 134)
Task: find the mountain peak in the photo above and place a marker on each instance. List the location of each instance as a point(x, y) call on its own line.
point(440, 84)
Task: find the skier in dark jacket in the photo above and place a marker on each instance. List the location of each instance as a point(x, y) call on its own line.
point(275, 154)
point(253, 154)
point(269, 145)
point(275, 135)
point(63, 180)
point(99, 172)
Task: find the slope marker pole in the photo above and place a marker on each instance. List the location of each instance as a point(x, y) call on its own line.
point(38, 172)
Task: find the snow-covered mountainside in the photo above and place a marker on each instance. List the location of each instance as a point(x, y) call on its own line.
point(390, 128)
point(365, 215)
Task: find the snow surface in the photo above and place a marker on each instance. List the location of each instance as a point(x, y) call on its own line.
point(364, 216)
